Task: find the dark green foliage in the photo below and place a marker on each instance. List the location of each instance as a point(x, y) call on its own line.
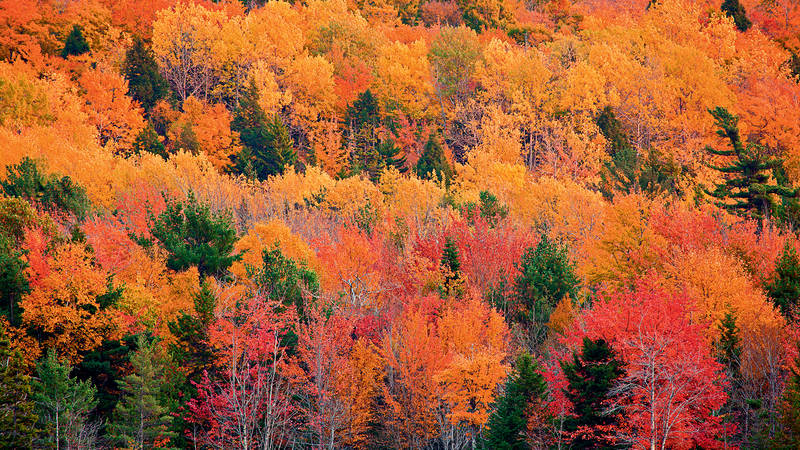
point(784, 288)
point(729, 345)
point(369, 152)
point(524, 387)
point(25, 180)
point(789, 436)
point(186, 140)
point(147, 141)
point(102, 366)
point(432, 163)
point(488, 208)
point(63, 404)
point(145, 83)
point(282, 279)
point(267, 146)
point(191, 355)
point(546, 276)
point(17, 417)
point(75, 43)
point(628, 171)
point(748, 175)
point(140, 417)
point(733, 8)
point(194, 236)
point(590, 378)
point(13, 281)
point(451, 266)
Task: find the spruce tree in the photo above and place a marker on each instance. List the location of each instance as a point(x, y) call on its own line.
point(267, 146)
point(17, 417)
point(145, 83)
point(282, 279)
point(452, 284)
point(433, 163)
point(733, 8)
point(748, 177)
point(546, 275)
point(191, 354)
point(147, 141)
point(63, 404)
point(13, 280)
point(784, 287)
point(590, 378)
point(509, 420)
point(729, 345)
point(75, 44)
point(140, 418)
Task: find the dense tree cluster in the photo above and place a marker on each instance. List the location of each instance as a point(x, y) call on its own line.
point(365, 225)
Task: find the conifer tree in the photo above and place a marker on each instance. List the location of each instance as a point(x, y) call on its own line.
point(26, 180)
point(784, 288)
point(789, 436)
point(433, 163)
point(17, 417)
point(194, 236)
point(590, 378)
point(282, 279)
point(63, 405)
point(451, 266)
point(140, 418)
point(267, 146)
point(145, 83)
point(748, 178)
point(546, 275)
point(147, 141)
point(509, 420)
point(75, 44)
point(13, 280)
point(733, 8)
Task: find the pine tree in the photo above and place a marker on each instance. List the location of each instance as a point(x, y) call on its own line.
point(13, 281)
point(280, 278)
point(145, 83)
point(784, 288)
point(789, 435)
point(191, 354)
point(733, 8)
point(75, 44)
point(747, 183)
point(509, 420)
point(433, 163)
point(590, 378)
point(194, 236)
point(17, 417)
point(729, 345)
point(63, 404)
point(147, 141)
point(140, 418)
point(546, 276)
point(26, 180)
point(267, 146)
point(451, 266)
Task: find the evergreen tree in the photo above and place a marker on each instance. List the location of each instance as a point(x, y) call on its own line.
point(488, 207)
point(75, 44)
point(733, 8)
point(280, 278)
point(729, 345)
point(63, 404)
point(194, 236)
point(191, 355)
point(789, 435)
point(748, 177)
point(26, 180)
point(784, 288)
point(145, 83)
point(590, 378)
point(452, 285)
point(361, 123)
point(17, 417)
point(13, 281)
point(433, 163)
point(546, 276)
point(267, 146)
point(140, 418)
point(147, 141)
point(509, 420)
